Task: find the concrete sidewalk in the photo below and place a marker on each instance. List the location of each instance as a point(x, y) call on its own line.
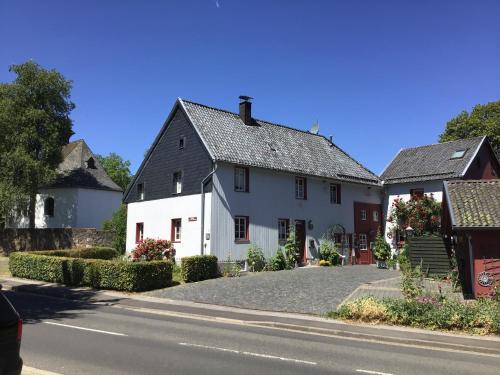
point(308, 324)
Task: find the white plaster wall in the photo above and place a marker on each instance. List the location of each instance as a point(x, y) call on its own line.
point(65, 210)
point(157, 217)
point(96, 206)
point(271, 197)
point(403, 191)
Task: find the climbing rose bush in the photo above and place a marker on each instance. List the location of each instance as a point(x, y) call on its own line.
point(151, 249)
point(421, 213)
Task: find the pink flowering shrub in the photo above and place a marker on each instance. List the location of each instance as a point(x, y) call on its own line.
point(151, 249)
point(423, 214)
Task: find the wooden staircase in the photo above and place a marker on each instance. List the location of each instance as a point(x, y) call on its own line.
point(432, 252)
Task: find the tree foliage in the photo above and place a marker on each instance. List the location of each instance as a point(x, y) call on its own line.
point(484, 120)
point(118, 224)
point(34, 126)
point(117, 168)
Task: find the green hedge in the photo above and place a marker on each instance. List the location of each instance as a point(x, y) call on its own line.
point(199, 267)
point(97, 273)
point(86, 253)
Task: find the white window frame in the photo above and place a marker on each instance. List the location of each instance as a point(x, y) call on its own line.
point(333, 193)
point(300, 183)
point(240, 228)
point(363, 215)
point(140, 192)
point(240, 179)
point(177, 230)
point(283, 230)
point(363, 241)
point(177, 182)
point(375, 216)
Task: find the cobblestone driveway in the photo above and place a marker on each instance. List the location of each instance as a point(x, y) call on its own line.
point(309, 290)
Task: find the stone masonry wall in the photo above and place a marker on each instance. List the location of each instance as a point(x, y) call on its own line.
point(52, 239)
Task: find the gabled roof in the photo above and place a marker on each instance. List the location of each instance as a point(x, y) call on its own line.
point(473, 203)
point(273, 146)
point(432, 162)
point(73, 171)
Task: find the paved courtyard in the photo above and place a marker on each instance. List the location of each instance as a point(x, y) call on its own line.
point(309, 290)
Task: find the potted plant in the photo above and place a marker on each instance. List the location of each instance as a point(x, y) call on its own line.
point(381, 251)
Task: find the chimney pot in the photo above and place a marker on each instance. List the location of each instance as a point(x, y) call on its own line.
point(246, 110)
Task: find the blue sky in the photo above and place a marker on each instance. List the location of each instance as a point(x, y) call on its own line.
point(378, 75)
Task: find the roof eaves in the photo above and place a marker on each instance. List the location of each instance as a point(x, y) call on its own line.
point(448, 202)
point(473, 157)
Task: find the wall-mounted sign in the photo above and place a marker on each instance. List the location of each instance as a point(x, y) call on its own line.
point(207, 236)
point(192, 218)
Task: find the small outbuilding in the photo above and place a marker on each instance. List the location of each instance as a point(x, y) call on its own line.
point(471, 218)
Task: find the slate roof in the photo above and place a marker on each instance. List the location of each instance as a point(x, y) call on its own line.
point(431, 162)
point(73, 171)
point(474, 203)
point(273, 146)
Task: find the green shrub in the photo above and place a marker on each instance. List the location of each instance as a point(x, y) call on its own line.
point(255, 258)
point(277, 262)
point(328, 251)
point(381, 249)
point(481, 316)
point(98, 273)
point(199, 267)
point(85, 253)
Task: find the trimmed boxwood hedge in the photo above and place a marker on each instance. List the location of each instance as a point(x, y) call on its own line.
point(199, 267)
point(86, 253)
point(97, 273)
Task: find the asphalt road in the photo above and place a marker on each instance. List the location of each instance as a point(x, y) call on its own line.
point(70, 337)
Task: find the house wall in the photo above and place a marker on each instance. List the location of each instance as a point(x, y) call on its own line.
point(157, 217)
point(394, 191)
point(96, 206)
point(271, 197)
point(73, 208)
point(166, 158)
point(486, 257)
point(484, 166)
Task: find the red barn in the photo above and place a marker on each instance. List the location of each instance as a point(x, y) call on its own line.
point(471, 216)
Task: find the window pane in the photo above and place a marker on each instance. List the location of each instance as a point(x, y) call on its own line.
point(333, 193)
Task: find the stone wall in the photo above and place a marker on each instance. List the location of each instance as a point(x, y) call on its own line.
point(52, 239)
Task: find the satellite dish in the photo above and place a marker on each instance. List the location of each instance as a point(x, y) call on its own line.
point(314, 128)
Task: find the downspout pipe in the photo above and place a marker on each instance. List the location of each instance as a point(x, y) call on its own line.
point(202, 219)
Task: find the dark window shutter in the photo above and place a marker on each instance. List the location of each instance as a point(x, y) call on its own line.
point(338, 194)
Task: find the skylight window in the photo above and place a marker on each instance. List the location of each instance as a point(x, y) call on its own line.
point(458, 154)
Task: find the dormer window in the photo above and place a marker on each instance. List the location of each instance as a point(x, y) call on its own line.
point(459, 154)
point(90, 163)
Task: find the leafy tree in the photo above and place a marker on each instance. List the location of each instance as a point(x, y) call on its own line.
point(118, 224)
point(484, 120)
point(34, 125)
point(117, 168)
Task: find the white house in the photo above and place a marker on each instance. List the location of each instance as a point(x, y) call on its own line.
point(215, 181)
point(82, 196)
point(421, 170)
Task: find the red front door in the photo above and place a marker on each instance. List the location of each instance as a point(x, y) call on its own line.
point(367, 221)
point(300, 233)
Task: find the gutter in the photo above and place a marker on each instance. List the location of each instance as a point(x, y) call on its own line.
point(202, 219)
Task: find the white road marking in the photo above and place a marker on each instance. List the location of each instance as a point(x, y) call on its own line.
point(260, 355)
point(373, 372)
point(86, 329)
